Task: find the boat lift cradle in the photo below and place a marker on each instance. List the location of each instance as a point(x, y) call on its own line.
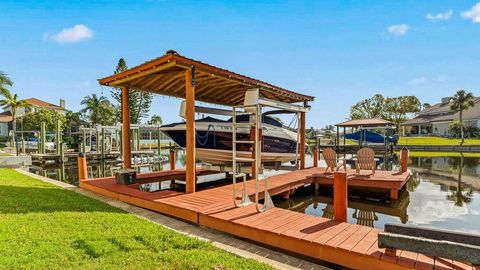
point(253, 105)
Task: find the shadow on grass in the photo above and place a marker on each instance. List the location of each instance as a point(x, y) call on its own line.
point(21, 200)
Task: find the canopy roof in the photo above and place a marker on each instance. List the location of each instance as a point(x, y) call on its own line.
point(374, 122)
point(166, 75)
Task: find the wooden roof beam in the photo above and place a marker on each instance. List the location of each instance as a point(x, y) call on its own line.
point(174, 79)
point(140, 74)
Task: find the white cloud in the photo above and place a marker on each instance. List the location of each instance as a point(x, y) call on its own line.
point(85, 84)
point(419, 80)
point(74, 34)
point(440, 16)
point(398, 29)
point(440, 78)
point(473, 14)
point(424, 80)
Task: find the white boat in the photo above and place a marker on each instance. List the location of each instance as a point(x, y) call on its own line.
point(214, 140)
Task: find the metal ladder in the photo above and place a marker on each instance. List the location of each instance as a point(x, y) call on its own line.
point(255, 113)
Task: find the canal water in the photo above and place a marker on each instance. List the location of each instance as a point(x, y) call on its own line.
point(443, 192)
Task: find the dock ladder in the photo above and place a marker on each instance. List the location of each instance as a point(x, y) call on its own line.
point(254, 112)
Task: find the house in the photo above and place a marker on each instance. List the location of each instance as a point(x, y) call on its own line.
point(435, 120)
point(35, 105)
point(5, 123)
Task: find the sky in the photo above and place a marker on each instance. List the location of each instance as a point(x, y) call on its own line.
point(341, 52)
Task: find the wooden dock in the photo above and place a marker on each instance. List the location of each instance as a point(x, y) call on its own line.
point(349, 245)
point(382, 180)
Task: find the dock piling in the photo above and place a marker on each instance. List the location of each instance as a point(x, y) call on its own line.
point(82, 166)
point(340, 199)
point(42, 147)
point(172, 159)
point(315, 157)
point(58, 137)
point(404, 159)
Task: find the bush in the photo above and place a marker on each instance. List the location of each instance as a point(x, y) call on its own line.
point(469, 131)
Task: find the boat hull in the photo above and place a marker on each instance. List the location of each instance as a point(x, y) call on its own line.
point(214, 143)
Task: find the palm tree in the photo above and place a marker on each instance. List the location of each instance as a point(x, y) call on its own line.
point(462, 101)
point(155, 120)
point(458, 196)
point(98, 109)
point(4, 81)
point(10, 101)
point(93, 107)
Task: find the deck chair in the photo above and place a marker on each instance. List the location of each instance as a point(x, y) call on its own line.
point(330, 157)
point(365, 160)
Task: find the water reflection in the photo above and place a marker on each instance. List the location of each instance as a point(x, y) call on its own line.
point(68, 171)
point(443, 192)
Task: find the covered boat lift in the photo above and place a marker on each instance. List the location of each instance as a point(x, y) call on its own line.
point(362, 125)
point(178, 76)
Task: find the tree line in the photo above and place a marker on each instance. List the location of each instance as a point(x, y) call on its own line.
point(394, 109)
point(96, 110)
point(399, 109)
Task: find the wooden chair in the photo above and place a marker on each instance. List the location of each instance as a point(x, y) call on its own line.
point(365, 160)
point(330, 157)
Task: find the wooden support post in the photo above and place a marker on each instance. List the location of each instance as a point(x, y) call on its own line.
point(159, 142)
point(104, 144)
point(302, 140)
point(82, 167)
point(58, 137)
point(315, 157)
point(340, 198)
point(127, 151)
point(62, 155)
point(394, 194)
point(138, 138)
point(120, 140)
point(84, 141)
point(171, 159)
point(42, 138)
point(404, 159)
point(97, 141)
point(337, 139)
point(190, 123)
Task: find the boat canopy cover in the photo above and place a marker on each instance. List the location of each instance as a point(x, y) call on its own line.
point(368, 136)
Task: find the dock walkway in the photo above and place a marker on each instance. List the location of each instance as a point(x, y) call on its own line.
point(349, 245)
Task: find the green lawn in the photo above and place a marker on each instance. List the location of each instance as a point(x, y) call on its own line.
point(46, 227)
point(442, 154)
point(434, 141)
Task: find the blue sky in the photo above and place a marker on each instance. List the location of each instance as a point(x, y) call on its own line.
point(339, 51)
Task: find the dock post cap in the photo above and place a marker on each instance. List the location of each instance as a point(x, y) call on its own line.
point(404, 148)
point(82, 155)
point(172, 52)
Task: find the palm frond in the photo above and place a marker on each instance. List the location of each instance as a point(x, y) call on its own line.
point(5, 93)
point(4, 79)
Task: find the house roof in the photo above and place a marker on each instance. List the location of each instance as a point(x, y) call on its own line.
point(40, 103)
point(441, 112)
point(373, 122)
point(166, 75)
point(5, 117)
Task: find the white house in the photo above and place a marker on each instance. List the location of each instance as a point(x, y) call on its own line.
point(35, 105)
point(436, 119)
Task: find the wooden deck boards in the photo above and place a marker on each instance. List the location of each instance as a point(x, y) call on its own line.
point(350, 245)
